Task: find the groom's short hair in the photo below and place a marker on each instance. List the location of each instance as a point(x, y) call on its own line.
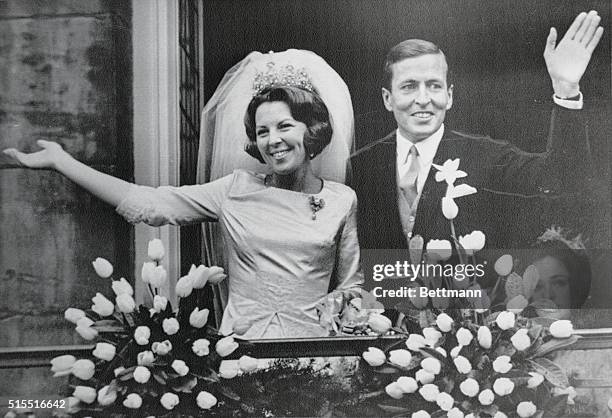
point(410, 48)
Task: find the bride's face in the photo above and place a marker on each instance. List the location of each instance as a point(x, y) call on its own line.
point(280, 138)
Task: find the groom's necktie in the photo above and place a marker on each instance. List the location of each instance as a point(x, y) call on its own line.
point(408, 183)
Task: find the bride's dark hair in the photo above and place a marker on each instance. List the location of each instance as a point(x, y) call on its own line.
point(305, 106)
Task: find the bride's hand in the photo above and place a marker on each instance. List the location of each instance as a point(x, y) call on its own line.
point(48, 157)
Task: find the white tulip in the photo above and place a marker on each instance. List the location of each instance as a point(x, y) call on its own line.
point(125, 303)
point(561, 328)
point(180, 367)
point(486, 397)
point(431, 365)
point(394, 390)
point(142, 374)
point(424, 376)
point(505, 320)
point(201, 347)
point(170, 325)
point(502, 364)
point(226, 346)
point(248, 364)
point(122, 286)
point(132, 401)
point(429, 392)
point(503, 386)
point(155, 250)
point(445, 401)
point(102, 306)
point(464, 336)
point(444, 322)
point(462, 364)
point(206, 400)
point(407, 384)
point(198, 318)
point(159, 303)
point(469, 387)
point(485, 339)
point(105, 351)
point(73, 315)
point(85, 394)
point(142, 335)
point(169, 400)
point(103, 267)
point(400, 357)
point(228, 369)
point(526, 409)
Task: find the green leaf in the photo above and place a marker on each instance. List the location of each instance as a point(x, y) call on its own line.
point(554, 345)
point(160, 379)
point(438, 414)
point(435, 354)
point(387, 369)
point(551, 371)
point(555, 407)
point(228, 393)
point(394, 409)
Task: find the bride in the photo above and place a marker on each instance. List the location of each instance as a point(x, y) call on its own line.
point(290, 235)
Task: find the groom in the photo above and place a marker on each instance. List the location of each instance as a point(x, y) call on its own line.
point(397, 192)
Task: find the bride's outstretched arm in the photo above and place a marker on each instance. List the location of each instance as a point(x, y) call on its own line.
point(108, 188)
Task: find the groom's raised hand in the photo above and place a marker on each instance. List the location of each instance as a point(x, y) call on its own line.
point(568, 60)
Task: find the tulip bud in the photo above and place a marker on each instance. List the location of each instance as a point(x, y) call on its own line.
point(444, 322)
point(206, 400)
point(441, 351)
point(469, 387)
point(502, 364)
point(432, 335)
point(374, 356)
point(424, 376)
point(87, 333)
point(526, 409)
point(485, 339)
point(486, 397)
point(201, 347)
point(429, 392)
point(500, 414)
point(155, 250)
point(83, 369)
point(161, 348)
point(184, 286)
point(169, 400)
point(198, 318)
point(226, 346)
point(431, 365)
point(455, 351)
point(102, 306)
point(415, 342)
point(420, 414)
point(445, 401)
point(473, 242)
point(62, 365)
point(455, 413)
point(122, 286)
point(503, 265)
point(439, 250)
point(462, 364)
point(520, 340)
point(394, 390)
point(400, 357)
point(180, 367)
point(228, 369)
point(505, 320)
point(145, 358)
point(85, 394)
point(106, 396)
point(73, 315)
point(170, 325)
point(199, 276)
point(148, 270)
point(142, 374)
point(464, 336)
point(159, 303)
point(142, 335)
point(216, 275)
point(379, 323)
point(104, 351)
point(535, 380)
point(103, 268)
point(561, 328)
point(248, 364)
point(125, 303)
point(132, 401)
point(159, 277)
point(407, 384)
point(450, 210)
point(503, 386)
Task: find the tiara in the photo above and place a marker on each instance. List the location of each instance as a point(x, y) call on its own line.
point(287, 75)
point(555, 233)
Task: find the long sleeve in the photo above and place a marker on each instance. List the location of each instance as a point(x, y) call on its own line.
point(176, 205)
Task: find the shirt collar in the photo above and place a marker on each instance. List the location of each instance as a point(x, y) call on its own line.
point(427, 148)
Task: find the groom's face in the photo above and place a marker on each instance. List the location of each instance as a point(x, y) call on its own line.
point(419, 95)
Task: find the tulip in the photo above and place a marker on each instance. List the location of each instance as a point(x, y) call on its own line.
point(147, 272)
point(73, 315)
point(162, 348)
point(122, 286)
point(199, 276)
point(415, 342)
point(216, 275)
point(71, 405)
point(106, 396)
point(184, 286)
point(132, 401)
point(432, 335)
point(469, 387)
point(87, 333)
point(394, 390)
point(201, 347)
point(502, 364)
point(169, 400)
point(535, 380)
point(159, 303)
point(125, 303)
point(85, 394)
point(526, 409)
point(155, 250)
point(486, 397)
point(104, 351)
point(485, 339)
point(449, 208)
point(561, 328)
point(145, 358)
point(407, 384)
point(520, 340)
point(424, 376)
point(455, 351)
point(569, 391)
point(226, 346)
point(83, 369)
point(464, 336)
point(462, 364)
point(439, 250)
point(102, 306)
point(445, 401)
point(142, 374)
point(431, 365)
point(228, 369)
point(444, 322)
point(503, 265)
point(159, 276)
point(84, 322)
point(241, 325)
point(429, 392)
point(248, 364)
point(206, 400)
point(62, 365)
point(198, 318)
point(500, 414)
point(142, 335)
point(400, 357)
point(379, 323)
point(473, 242)
point(374, 356)
point(103, 268)
point(420, 414)
point(505, 320)
point(441, 351)
point(180, 367)
point(119, 370)
point(170, 325)
point(503, 386)
point(455, 413)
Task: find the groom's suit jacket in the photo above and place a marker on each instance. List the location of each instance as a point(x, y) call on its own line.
point(495, 168)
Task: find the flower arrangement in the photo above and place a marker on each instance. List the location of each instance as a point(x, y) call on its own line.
point(148, 360)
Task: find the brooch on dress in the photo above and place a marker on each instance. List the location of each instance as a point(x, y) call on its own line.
point(316, 204)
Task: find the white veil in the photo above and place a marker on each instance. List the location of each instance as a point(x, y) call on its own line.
point(223, 136)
